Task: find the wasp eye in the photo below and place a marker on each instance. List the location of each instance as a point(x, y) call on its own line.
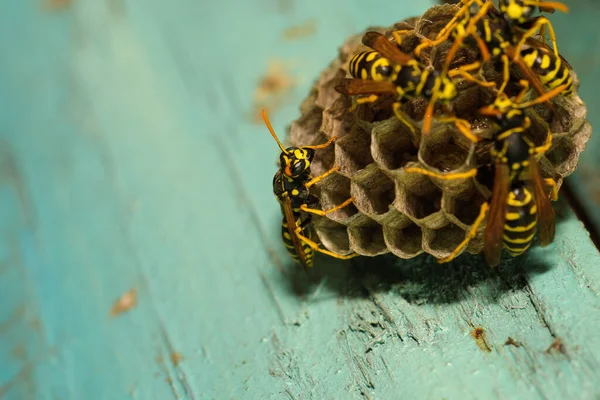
point(299, 166)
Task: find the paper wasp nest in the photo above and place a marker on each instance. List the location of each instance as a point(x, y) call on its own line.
point(408, 213)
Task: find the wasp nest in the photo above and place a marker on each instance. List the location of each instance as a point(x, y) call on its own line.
point(409, 213)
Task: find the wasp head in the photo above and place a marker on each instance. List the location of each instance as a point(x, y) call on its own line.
point(295, 161)
point(516, 10)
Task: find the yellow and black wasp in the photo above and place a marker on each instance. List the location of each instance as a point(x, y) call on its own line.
point(501, 35)
point(514, 210)
point(388, 70)
point(291, 186)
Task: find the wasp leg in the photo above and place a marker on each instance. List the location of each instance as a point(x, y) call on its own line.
point(536, 27)
point(553, 188)
point(445, 32)
point(463, 127)
point(445, 176)
point(397, 35)
point(464, 72)
point(525, 88)
point(324, 175)
point(545, 147)
point(322, 145)
point(316, 247)
point(400, 115)
point(362, 100)
point(505, 73)
point(470, 235)
point(316, 211)
point(471, 30)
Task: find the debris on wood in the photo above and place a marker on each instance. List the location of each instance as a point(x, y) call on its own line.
point(176, 358)
point(478, 333)
point(556, 346)
point(124, 303)
point(512, 342)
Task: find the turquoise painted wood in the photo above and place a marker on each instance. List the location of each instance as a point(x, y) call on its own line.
point(129, 159)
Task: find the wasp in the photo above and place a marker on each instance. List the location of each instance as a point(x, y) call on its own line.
point(388, 70)
point(500, 35)
point(514, 210)
point(291, 185)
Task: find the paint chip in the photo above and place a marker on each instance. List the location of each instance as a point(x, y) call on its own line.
point(125, 303)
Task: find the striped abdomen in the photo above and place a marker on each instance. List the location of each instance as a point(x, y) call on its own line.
point(293, 251)
point(370, 65)
point(410, 79)
point(550, 69)
point(521, 220)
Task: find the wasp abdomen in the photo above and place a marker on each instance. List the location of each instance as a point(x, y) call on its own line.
point(370, 65)
point(521, 221)
point(549, 68)
point(290, 245)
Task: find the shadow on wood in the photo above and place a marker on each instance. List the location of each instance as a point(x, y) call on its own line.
point(418, 280)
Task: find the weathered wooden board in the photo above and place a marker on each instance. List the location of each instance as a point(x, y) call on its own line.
point(131, 159)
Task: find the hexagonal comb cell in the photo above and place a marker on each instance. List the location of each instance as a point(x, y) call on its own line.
point(335, 189)
point(353, 150)
point(373, 191)
point(332, 235)
point(392, 144)
point(366, 237)
point(419, 199)
point(445, 149)
point(464, 208)
point(562, 153)
point(405, 242)
point(441, 242)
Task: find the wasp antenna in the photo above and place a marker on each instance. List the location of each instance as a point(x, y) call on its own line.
point(429, 114)
point(268, 123)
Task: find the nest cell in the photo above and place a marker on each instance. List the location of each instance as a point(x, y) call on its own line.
point(418, 198)
point(392, 144)
point(366, 237)
point(373, 191)
point(353, 150)
point(441, 242)
point(333, 236)
point(335, 189)
point(405, 242)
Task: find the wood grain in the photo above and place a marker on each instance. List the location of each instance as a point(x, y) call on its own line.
point(130, 160)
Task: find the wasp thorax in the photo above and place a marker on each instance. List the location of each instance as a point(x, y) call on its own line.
point(516, 10)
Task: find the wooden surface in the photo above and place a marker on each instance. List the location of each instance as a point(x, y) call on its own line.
point(130, 158)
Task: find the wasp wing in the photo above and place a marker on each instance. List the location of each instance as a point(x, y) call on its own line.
point(386, 48)
point(290, 220)
point(364, 86)
point(494, 231)
point(546, 223)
